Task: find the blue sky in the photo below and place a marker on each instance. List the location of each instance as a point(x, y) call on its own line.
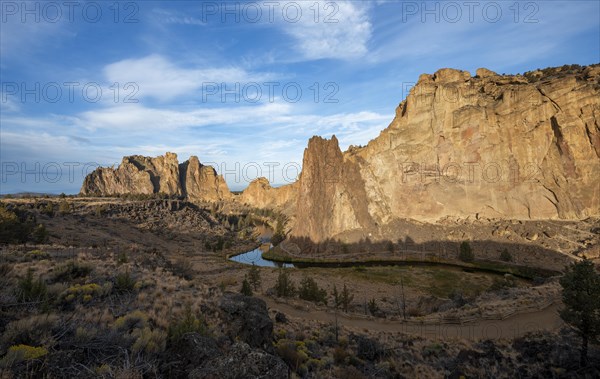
point(87, 83)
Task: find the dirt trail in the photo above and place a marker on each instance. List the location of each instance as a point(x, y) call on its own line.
point(514, 326)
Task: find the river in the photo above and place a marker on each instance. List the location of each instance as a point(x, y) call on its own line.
point(254, 257)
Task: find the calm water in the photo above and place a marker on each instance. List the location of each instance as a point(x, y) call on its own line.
point(254, 257)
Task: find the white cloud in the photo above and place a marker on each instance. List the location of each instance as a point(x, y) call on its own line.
point(140, 118)
point(341, 30)
point(171, 17)
point(8, 104)
point(159, 78)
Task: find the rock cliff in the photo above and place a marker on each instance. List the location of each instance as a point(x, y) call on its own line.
point(519, 147)
point(144, 175)
point(260, 194)
point(202, 182)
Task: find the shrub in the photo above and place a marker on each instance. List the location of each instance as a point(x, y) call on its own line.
point(81, 293)
point(71, 271)
point(99, 210)
point(14, 228)
point(309, 290)
point(124, 282)
point(505, 256)
point(6, 270)
point(149, 341)
point(33, 330)
point(288, 351)
point(122, 258)
point(64, 207)
point(31, 290)
point(367, 348)
point(499, 284)
point(40, 234)
point(38, 254)
point(19, 353)
point(373, 307)
point(133, 320)
point(182, 269)
point(189, 323)
point(340, 355)
point(433, 350)
point(466, 253)
point(48, 210)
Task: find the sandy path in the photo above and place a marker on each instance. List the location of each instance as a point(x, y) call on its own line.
point(514, 326)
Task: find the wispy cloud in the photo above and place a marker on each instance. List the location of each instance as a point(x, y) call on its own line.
point(172, 17)
point(141, 118)
point(159, 78)
point(339, 30)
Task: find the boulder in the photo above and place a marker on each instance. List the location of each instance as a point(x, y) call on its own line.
point(247, 319)
point(242, 361)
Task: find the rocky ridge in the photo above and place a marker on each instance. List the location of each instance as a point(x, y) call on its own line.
point(486, 146)
point(144, 175)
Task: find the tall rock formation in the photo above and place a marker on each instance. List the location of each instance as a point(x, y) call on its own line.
point(494, 146)
point(260, 194)
point(202, 182)
point(144, 175)
point(331, 194)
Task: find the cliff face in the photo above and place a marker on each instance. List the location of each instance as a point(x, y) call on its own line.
point(331, 194)
point(492, 146)
point(144, 175)
point(202, 182)
point(260, 194)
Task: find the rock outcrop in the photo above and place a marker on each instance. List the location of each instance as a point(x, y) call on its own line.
point(260, 194)
point(331, 193)
point(202, 182)
point(247, 319)
point(519, 147)
point(242, 361)
point(136, 174)
point(144, 175)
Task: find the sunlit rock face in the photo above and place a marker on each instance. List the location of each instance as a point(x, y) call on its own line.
point(260, 194)
point(519, 147)
point(144, 175)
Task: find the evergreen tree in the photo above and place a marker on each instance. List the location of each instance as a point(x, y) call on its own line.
point(246, 289)
point(373, 307)
point(309, 290)
point(254, 277)
point(581, 297)
point(337, 298)
point(466, 253)
point(505, 256)
point(346, 298)
point(284, 287)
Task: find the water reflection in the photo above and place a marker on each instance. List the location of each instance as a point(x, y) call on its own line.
point(255, 257)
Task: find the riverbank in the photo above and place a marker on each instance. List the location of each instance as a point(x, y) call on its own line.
point(524, 272)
